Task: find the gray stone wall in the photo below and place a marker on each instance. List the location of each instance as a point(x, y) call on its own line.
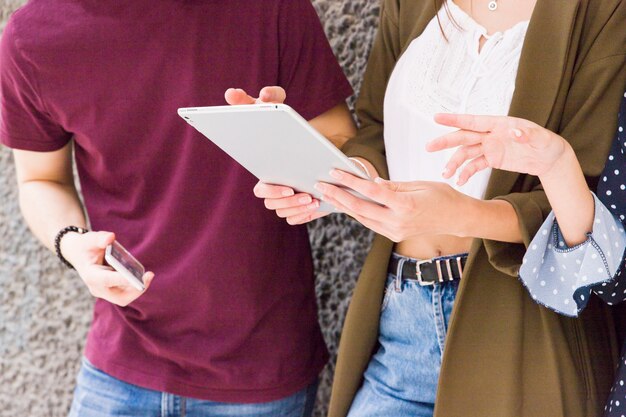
point(45, 310)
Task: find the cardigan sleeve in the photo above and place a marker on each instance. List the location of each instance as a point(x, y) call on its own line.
point(561, 277)
point(386, 49)
point(587, 122)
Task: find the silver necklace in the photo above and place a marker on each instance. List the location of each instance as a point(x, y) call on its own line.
point(493, 5)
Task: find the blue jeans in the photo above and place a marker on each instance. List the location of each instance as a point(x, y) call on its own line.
point(401, 378)
point(100, 395)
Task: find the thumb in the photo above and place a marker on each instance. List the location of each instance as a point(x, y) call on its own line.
point(272, 95)
point(104, 239)
point(147, 279)
point(235, 96)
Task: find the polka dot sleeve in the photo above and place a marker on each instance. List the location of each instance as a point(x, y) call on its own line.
point(612, 192)
point(561, 277)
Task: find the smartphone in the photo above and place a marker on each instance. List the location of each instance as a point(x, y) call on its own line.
point(126, 264)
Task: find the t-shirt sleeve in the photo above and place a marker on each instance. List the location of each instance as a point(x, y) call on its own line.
point(308, 70)
point(561, 277)
point(24, 121)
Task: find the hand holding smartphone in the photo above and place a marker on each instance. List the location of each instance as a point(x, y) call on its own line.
point(126, 264)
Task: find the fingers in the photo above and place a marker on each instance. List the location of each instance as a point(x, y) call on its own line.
point(460, 156)
point(275, 199)
point(365, 187)
point(472, 167)
point(294, 210)
point(262, 190)
point(305, 217)
point(147, 280)
point(236, 96)
point(105, 277)
point(390, 185)
point(469, 122)
point(105, 283)
point(454, 139)
point(401, 187)
point(121, 296)
point(353, 205)
point(272, 95)
point(297, 200)
point(372, 224)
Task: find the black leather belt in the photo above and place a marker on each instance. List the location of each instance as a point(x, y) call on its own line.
point(430, 271)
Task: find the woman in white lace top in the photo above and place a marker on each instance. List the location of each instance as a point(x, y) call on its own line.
point(401, 348)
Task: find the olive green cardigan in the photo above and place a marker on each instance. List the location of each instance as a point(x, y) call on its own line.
point(505, 355)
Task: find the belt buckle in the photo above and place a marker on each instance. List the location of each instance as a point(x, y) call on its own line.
point(418, 272)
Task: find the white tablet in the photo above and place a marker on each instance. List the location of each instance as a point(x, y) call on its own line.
point(273, 142)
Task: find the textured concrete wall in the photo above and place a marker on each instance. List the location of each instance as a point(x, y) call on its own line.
point(45, 310)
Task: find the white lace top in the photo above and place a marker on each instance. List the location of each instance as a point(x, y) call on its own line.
point(457, 76)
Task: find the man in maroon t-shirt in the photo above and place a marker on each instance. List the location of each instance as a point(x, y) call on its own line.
point(228, 323)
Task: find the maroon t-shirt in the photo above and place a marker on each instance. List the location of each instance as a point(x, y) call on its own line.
point(231, 314)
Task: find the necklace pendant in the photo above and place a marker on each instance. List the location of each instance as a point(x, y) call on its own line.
point(493, 5)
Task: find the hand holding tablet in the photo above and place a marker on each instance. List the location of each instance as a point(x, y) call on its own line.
point(274, 143)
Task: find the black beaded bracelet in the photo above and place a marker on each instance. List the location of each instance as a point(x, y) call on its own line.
point(57, 242)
